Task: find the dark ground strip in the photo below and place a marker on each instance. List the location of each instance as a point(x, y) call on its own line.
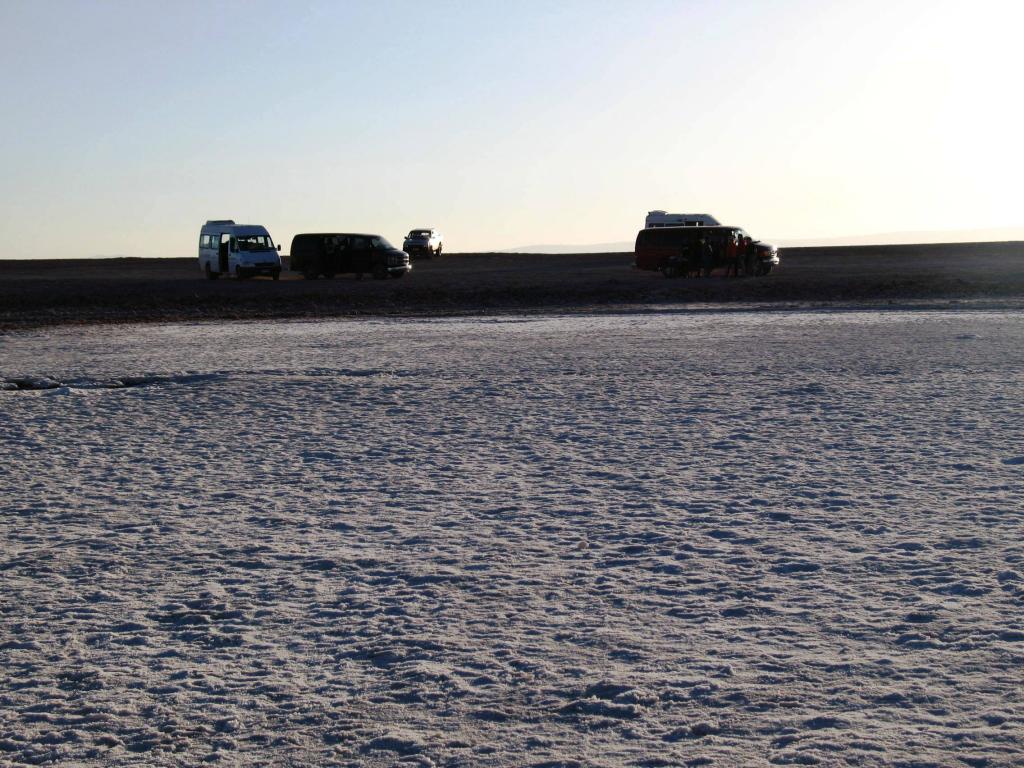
point(34, 293)
point(36, 383)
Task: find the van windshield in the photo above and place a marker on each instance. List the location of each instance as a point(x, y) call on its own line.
point(254, 243)
point(380, 242)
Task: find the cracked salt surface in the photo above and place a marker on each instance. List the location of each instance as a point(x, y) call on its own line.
point(596, 541)
point(37, 382)
point(43, 383)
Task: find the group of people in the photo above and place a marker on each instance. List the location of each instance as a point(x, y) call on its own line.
point(736, 253)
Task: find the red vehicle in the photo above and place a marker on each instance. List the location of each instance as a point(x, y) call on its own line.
point(685, 251)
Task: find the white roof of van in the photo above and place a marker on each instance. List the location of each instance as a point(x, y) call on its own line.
point(235, 229)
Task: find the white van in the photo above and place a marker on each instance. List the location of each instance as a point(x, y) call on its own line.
point(242, 250)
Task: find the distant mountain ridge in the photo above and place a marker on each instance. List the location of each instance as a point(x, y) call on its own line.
point(1003, 234)
point(590, 248)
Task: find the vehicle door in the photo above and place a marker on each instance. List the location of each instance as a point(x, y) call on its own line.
point(207, 251)
point(335, 254)
point(360, 255)
point(224, 254)
point(298, 254)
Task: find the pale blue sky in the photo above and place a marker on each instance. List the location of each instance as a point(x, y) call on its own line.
point(127, 124)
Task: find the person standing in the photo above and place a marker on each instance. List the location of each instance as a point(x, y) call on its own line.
point(707, 256)
point(732, 254)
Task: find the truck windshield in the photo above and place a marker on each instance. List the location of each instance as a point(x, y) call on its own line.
point(380, 242)
point(420, 233)
point(254, 243)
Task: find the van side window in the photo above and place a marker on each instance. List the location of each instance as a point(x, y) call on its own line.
point(204, 241)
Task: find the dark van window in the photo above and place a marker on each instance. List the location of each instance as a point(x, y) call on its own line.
point(254, 243)
point(204, 241)
point(662, 236)
point(358, 243)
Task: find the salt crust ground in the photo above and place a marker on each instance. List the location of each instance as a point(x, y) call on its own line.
point(654, 540)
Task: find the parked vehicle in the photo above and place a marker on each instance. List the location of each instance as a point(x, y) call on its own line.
point(662, 219)
point(242, 250)
point(336, 253)
point(684, 251)
point(423, 242)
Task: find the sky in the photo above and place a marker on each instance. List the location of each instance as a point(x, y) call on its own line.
point(128, 124)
